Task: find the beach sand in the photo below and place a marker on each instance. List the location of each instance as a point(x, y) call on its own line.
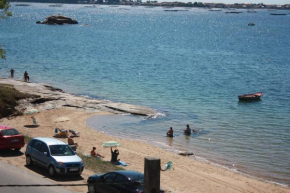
point(188, 176)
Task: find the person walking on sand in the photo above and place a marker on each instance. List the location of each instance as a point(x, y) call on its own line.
point(26, 76)
point(187, 130)
point(94, 154)
point(170, 132)
point(12, 73)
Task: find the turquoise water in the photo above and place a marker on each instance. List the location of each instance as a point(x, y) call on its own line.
point(189, 65)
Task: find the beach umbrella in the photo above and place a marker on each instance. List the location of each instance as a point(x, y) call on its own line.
point(62, 119)
point(111, 144)
point(30, 111)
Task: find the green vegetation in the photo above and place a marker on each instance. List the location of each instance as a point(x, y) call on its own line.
point(9, 97)
point(98, 166)
point(27, 139)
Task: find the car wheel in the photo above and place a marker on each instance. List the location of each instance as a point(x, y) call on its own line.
point(51, 171)
point(29, 161)
point(17, 149)
point(91, 188)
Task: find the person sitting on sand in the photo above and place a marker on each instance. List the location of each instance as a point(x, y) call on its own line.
point(187, 131)
point(114, 154)
point(170, 132)
point(94, 154)
point(70, 141)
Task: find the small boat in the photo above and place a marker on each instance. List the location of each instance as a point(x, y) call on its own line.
point(234, 12)
point(214, 10)
point(251, 24)
point(20, 4)
point(250, 97)
point(278, 14)
point(55, 5)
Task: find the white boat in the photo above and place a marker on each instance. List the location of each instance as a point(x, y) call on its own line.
point(55, 5)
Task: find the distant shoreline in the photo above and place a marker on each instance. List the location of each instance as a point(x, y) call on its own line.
point(169, 4)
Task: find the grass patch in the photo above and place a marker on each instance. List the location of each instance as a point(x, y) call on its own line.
point(27, 139)
point(98, 166)
point(9, 97)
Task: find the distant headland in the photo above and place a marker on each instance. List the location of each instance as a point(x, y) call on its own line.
point(167, 4)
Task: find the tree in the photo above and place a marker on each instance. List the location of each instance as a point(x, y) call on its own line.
point(4, 13)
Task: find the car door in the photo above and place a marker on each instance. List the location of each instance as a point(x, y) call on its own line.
point(105, 185)
point(35, 154)
point(123, 184)
point(44, 155)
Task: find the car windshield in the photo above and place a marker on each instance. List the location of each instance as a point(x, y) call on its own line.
point(9, 132)
point(61, 150)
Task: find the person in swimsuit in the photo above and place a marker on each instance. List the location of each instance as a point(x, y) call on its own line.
point(170, 132)
point(94, 154)
point(187, 131)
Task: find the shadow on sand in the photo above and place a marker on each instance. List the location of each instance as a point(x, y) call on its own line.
point(59, 178)
point(30, 126)
point(10, 153)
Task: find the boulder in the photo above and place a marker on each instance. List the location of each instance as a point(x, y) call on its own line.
point(58, 20)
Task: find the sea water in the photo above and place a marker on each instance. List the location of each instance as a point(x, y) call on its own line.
point(188, 65)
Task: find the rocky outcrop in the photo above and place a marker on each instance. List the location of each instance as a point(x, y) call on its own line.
point(52, 98)
point(58, 20)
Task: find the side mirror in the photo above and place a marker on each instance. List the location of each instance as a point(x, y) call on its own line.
point(75, 152)
point(45, 153)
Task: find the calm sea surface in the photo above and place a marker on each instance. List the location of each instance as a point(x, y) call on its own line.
point(188, 65)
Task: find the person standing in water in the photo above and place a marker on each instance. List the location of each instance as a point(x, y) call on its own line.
point(170, 132)
point(187, 130)
point(26, 76)
point(12, 73)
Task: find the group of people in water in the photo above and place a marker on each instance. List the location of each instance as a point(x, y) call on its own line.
point(25, 76)
point(187, 131)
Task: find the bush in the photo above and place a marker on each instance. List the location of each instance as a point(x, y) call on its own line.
point(9, 97)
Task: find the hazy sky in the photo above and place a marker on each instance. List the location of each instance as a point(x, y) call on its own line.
point(278, 2)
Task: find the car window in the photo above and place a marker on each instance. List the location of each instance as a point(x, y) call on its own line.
point(9, 132)
point(61, 150)
point(139, 179)
point(36, 145)
point(121, 179)
point(43, 148)
point(109, 178)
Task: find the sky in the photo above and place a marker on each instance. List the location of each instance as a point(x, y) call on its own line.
point(278, 2)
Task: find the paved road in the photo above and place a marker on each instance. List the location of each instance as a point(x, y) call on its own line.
point(11, 175)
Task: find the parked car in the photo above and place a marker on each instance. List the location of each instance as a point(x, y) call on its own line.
point(10, 138)
point(54, 155)
point(120, 181)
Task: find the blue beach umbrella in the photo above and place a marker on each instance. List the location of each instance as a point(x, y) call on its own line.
point(111, 144)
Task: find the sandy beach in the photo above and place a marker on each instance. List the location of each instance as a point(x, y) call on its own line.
point(188, 176)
